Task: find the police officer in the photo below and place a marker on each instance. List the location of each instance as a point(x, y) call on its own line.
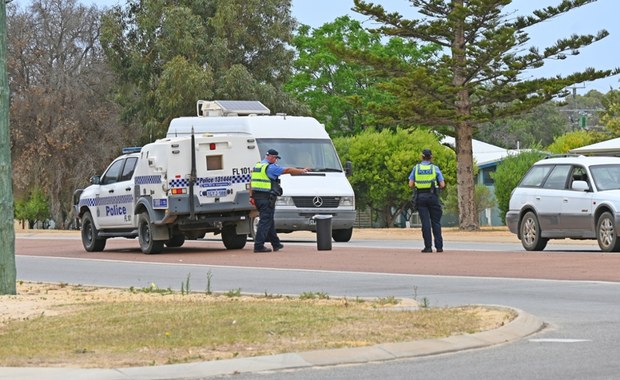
point(427, 180)
point(265, 188)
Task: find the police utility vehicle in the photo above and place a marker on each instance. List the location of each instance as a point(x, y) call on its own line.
point(302, 142)
point(171, 190)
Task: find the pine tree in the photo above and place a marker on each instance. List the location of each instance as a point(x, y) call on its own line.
point(477, 76)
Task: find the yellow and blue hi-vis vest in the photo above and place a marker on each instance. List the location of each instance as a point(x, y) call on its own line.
point(260, 180)
point(425, 176)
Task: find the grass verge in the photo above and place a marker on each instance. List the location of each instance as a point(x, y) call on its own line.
point(75, 326)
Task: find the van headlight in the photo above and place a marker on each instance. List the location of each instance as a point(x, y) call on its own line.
point(347, 201)
point(285, 201)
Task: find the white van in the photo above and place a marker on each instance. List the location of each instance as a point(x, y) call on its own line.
point(302, 142)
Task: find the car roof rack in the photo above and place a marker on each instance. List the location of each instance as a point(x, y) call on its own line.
point(563, 155)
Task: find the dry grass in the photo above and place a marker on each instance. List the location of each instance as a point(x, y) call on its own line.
point(58, 325)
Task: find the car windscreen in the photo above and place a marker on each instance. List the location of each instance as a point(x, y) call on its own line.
point(316, 154)
point(606, 177)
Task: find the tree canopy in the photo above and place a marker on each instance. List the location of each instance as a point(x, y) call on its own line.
point(611, 114)
point(478, 76)
point(383, 160)
point(63, 120)
point(168, 54)
point(338, 91)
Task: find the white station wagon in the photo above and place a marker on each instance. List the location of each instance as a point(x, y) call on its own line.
point(573, 197)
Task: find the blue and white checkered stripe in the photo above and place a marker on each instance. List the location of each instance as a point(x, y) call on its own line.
point(212, 181)
point(147, 180)
point(104, 201)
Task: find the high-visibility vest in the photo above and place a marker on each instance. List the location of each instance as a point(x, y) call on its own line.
point(260, 179)
point(424, 176)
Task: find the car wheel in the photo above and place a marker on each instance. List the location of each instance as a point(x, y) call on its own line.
point(145, 236)
point(530, 233)
point(231, 239)
point(606, 233)
point(90, 241)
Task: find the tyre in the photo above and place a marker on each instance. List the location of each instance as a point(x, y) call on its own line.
point(231, 239)
point(342, 236)
point(531, 234)
point(145, 236)
point(175, 241)
point(89, 235)
point(254, 227)
point(606, 233)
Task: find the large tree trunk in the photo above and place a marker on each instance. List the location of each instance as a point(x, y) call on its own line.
point(468, 217)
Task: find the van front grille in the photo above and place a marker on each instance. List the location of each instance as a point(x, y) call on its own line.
point(316, 202)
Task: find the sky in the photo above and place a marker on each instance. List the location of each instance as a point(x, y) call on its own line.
point(588, 19)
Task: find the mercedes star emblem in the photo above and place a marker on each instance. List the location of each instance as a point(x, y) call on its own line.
point(317, 201)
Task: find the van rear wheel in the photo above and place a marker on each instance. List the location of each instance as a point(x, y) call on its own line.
point(231, 239)
point(145, 236)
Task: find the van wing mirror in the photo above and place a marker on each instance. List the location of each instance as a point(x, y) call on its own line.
point(348, 168)
point(95, 180)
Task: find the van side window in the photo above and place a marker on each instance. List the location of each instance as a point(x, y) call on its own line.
point(111, 175)
point(128, 169)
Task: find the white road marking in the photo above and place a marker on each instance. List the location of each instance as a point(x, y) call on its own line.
point(550, 340)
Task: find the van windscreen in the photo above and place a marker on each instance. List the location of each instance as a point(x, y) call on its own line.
point(316, 154)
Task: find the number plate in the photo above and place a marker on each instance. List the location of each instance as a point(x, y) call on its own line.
point(216, 193)
point(160, 202)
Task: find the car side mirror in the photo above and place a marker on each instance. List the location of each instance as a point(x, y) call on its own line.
point(580, 186)
point(95, 180)
point(348, 168)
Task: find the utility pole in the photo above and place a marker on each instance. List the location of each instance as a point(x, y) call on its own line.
point(8, 271)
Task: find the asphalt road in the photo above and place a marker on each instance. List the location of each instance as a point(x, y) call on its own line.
point(575, 289)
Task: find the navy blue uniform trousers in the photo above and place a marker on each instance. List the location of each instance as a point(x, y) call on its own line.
point(266, 229)
point(430, 212)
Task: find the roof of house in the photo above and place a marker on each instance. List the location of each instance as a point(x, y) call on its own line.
point(484, 154)
point(603, 148)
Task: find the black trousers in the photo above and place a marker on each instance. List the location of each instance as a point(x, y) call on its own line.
point(430, 212)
